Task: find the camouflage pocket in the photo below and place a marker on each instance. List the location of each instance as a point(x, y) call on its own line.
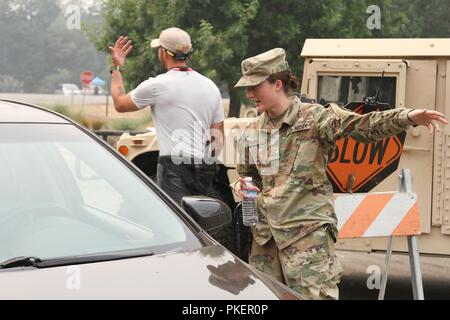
point(311, 267)
point(305, 156)
point(327, 271)
point(304, 171)
point(266, 157)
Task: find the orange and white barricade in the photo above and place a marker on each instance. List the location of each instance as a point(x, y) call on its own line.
point(377, 215)
point(386, 214)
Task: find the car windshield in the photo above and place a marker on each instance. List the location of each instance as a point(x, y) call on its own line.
point(63, 194)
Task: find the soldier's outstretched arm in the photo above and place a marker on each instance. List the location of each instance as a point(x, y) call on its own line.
point(335, 123)
point(428, 118)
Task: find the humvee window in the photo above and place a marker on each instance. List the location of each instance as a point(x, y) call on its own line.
point(343, 89)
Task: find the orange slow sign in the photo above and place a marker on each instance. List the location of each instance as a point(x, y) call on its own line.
point(361, 167)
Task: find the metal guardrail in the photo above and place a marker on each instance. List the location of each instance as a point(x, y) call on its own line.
point(104, 134)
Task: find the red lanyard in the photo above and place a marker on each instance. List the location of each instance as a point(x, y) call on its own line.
point(182, 69)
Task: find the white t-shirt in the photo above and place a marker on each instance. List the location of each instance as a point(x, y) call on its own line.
point(184, 106)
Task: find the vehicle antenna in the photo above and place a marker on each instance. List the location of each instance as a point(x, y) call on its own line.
point(379, 87)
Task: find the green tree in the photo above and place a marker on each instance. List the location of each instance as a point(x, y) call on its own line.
point(10, 84)
point(224, 32)
point(38, 49)
point(432, 17)
point(23, 39)
point(218, 30)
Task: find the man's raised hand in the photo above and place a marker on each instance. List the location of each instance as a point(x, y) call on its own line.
point(120, 51)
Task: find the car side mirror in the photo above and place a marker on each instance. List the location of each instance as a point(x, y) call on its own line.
point(211, 214)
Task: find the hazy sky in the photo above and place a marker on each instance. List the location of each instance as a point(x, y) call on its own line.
point(86, 3)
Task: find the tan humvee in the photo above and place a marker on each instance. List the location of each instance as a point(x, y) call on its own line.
point(416, 74)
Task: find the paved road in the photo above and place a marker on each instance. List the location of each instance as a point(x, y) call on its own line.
point(52, 99)
point(435, 271)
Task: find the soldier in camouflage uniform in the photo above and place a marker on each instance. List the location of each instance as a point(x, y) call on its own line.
point(286, 152)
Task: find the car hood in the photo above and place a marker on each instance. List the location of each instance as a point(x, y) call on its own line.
point(205, 274)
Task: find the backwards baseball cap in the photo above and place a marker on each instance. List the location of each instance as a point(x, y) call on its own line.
point(174, 40)
point(258, 68)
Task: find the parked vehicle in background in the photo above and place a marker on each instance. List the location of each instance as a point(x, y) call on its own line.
point(416, 73)
point(401, 73)
point(68, 89)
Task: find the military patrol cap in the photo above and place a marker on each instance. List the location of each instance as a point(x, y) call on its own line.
point(258, 68)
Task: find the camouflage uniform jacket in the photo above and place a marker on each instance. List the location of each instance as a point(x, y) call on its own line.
point(288, 164)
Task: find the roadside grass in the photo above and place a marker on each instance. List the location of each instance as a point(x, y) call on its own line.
point(99, 122)
point(61, 109)
point(132, 124)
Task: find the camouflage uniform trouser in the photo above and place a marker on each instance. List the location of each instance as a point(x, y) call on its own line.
point(309, 266)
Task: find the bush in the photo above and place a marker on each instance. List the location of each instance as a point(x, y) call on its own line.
point(81, 119)
point(61, 109)
point(78, 117)
point(123, 124)
point(52, 81)
point(132, 124)
point(97, 124)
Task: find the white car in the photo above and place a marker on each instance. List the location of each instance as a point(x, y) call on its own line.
point(68, 89)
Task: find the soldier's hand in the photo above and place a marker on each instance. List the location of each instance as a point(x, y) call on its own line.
point(427, 118)
point(120, 51)
point(238, 185)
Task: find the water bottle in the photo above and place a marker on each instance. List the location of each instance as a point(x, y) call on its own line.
point(249, 206)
